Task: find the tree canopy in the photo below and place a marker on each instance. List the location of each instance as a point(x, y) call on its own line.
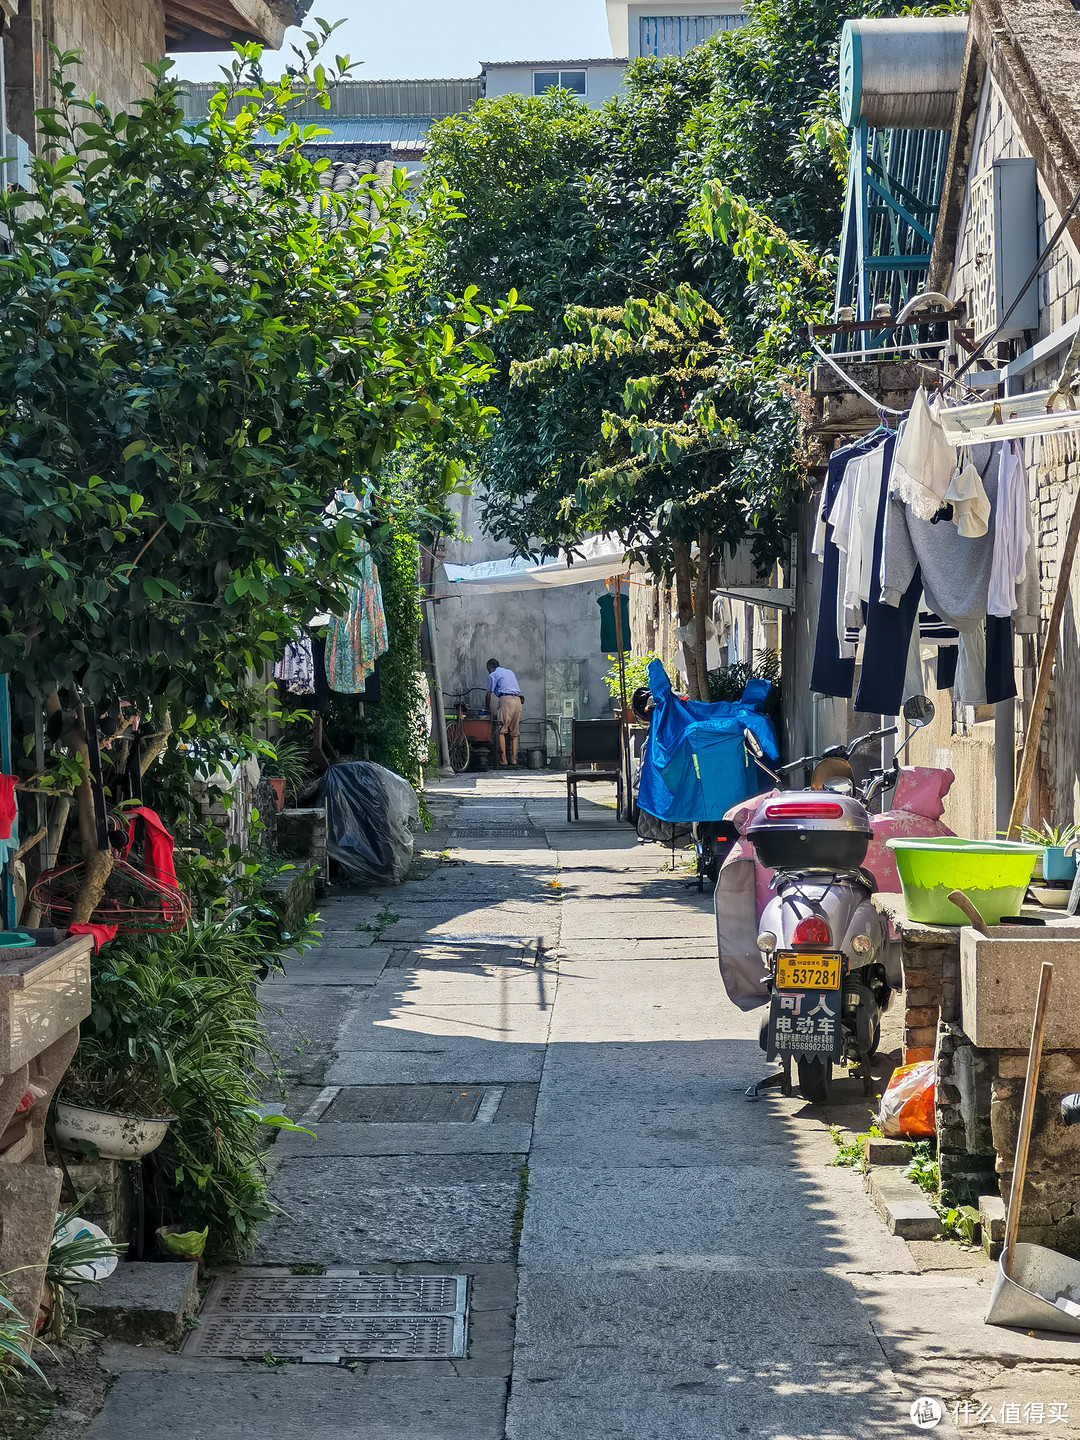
point(198, 344)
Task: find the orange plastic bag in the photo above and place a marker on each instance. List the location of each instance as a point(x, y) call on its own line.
point(907, 1107)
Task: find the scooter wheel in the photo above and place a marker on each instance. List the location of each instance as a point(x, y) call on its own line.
point(815, 1080)
point(875, 1039)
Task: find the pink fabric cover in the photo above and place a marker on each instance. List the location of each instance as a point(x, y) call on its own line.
point(918, 804)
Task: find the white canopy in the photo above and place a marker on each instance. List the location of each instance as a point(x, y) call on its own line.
point(598, 558)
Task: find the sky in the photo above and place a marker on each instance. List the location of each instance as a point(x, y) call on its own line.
point(429, 39)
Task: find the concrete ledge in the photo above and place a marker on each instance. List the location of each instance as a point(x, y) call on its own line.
point(142, 1301)
point(992, 1221)
point(886, 1152)
point(902, 1205)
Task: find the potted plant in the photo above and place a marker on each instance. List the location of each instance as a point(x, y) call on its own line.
point(284, 764)
point(110, 1112)
point(1057, 867)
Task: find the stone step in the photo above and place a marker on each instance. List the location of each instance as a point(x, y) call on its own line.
point(902, 1205)
point(143, 1301)
point(992, 1220)
point(886, 1152)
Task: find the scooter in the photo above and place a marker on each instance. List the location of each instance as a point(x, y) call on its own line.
point(831, 968)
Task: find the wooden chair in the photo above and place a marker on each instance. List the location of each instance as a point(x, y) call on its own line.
point(595, 754)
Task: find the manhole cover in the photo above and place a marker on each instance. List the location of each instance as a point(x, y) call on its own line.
point(332, 1317)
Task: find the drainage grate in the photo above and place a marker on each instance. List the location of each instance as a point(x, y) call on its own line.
point(486, 832)
point(333, 1317)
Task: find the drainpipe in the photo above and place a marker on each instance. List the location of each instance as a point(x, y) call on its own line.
point(1004, 763)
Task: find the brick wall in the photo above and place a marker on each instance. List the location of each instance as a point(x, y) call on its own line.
point(116, 37)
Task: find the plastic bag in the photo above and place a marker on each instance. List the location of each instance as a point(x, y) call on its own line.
point(907, 1107)
point(370, 816)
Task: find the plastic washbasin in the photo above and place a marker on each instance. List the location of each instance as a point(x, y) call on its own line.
point(994, 874)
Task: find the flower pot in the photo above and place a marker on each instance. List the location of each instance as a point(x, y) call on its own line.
point(277, 784)
point(1057, 866)
point(116, 1137)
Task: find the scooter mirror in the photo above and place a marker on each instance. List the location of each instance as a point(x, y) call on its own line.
point(753, 745)
point(918, 711)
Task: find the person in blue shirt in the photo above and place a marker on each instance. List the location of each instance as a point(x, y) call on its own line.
point(504, 706)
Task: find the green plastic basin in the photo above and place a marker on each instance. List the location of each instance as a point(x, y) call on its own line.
point(993, 874)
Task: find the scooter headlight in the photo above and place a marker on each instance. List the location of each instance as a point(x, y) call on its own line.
point(862, 945)
point(766, 942)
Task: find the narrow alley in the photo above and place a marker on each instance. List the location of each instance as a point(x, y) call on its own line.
point(522, 1070)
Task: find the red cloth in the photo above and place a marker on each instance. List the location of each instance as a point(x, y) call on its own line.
point(8, 807)
point(158, 847)
point(100, 934)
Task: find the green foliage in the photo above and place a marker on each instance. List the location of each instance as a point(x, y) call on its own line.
point(198, 343)
point(677, 233)
point(175, 1030)
point(16, 1338)
point(851, 1153)
point(958, 1222)
point(1049, 834)
point(636, 668)
point(285, 760)
point(923, 1169)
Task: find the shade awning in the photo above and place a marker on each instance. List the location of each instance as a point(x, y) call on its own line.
point(600, 557)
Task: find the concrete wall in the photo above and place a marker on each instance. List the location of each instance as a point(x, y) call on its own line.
point(601, 82)
point(528, 631)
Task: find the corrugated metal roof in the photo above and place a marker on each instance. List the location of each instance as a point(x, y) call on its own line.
point(425, 99)
point(549, 64)
point(401, 132)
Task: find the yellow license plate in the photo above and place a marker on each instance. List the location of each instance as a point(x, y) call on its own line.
point(799, 971)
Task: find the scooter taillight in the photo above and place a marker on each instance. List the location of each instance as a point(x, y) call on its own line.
point(812, 931)
point(805, 810)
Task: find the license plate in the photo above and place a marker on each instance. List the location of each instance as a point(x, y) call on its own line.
point(797, 970)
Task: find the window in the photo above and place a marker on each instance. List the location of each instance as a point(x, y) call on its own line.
point(676, 34)
point(572, 80)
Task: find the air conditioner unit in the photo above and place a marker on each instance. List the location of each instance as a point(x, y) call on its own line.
point(1004, 228)
point(14, 161)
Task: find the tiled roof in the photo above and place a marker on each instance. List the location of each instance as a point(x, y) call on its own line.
point(551, 64)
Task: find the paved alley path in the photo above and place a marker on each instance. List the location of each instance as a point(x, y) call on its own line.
point(523, 1069)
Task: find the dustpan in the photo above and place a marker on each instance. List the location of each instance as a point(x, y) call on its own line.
point(1030, 1276)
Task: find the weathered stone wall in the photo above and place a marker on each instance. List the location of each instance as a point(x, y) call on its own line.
point(1050, 1214)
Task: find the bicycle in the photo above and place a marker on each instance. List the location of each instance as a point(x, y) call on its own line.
point(458, 749)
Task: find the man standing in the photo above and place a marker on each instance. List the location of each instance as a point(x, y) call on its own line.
point(504, 706)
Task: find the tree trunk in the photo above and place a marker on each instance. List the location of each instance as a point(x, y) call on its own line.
point(684, 600)
point(702, 597)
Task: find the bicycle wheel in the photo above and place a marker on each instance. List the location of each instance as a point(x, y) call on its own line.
point(457, 746)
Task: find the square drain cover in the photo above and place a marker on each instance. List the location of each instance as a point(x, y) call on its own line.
point(341, 1316)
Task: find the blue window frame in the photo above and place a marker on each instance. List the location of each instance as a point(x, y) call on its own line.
point(676, 34)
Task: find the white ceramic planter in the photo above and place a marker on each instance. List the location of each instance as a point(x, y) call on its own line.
point(117, 1137)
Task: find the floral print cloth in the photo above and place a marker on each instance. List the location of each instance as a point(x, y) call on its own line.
point(356, 639)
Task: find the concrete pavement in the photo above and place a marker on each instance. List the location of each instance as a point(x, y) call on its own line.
point(525, 1070)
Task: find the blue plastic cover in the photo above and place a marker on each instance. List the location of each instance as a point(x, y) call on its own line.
point(695, 765)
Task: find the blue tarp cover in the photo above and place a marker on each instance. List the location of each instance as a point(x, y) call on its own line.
point(695, 765)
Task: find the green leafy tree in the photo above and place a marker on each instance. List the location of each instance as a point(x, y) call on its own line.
point(678, 235)
point(198, 344)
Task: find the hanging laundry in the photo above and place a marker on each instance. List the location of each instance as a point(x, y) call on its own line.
point(953, 572)
point(8, 805)
point(924, 462)
point(971, 508)
point(609, 643)
point(296, 668)
point(1013, 540)
point(158, 846)
point(100, 934)
point(356, 639)
point(833, 671)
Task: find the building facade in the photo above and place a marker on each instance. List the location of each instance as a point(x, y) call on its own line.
point(668, 27)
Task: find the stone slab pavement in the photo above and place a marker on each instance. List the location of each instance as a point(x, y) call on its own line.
point(521, 1066)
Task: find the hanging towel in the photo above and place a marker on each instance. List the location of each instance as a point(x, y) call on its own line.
point(924, 462)
point(609, 643)
point(157, 846)
point(8, 804)
point(100, 934)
